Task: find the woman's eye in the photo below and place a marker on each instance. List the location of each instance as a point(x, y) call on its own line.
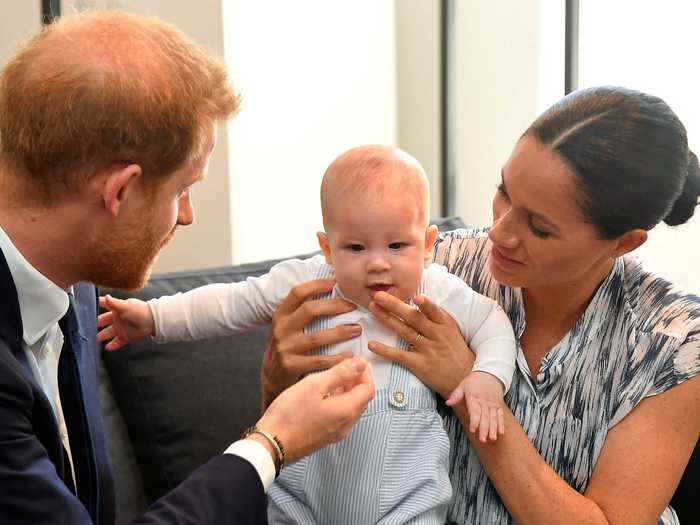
point(356, 247)
point(396, 245)
point(502, 191)
point(539, 233)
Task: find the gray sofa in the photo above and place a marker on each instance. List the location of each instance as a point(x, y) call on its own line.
point(169, 408)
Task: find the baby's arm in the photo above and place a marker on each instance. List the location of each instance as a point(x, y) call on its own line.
point(222, 309)
point(206, 311)
point(488, 331)
point(126, 321)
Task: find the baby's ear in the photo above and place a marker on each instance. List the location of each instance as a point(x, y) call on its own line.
point(325, 247)
point(430, 236)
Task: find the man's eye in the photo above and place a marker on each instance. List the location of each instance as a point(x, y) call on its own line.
point(356, 247)
point(396, 245)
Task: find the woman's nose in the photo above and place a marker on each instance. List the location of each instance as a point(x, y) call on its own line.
point(502, 232)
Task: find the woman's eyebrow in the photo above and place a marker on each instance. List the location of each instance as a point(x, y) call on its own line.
point(532, 214)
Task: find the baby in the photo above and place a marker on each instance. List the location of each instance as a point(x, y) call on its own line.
point(393, 466)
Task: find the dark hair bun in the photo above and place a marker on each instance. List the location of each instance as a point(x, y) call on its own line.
point(684, 207)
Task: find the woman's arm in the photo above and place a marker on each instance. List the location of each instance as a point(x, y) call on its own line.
point(286, 358)
point(638, 469)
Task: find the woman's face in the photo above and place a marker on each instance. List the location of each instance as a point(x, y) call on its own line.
point(539, 237)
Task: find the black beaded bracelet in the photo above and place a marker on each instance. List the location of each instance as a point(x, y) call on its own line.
point(275, 443)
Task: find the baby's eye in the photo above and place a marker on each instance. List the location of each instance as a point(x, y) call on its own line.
point(356, 247)
point(396, 245)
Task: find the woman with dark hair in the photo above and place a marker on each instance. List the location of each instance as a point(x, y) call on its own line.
point(604, 409)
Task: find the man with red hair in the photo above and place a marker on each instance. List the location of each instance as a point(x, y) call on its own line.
point(106, 121)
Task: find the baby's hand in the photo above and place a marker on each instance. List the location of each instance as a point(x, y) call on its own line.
point(126, 321)
point(483, 395)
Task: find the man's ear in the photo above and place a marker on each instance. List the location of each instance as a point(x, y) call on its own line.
point(325, 247)
point(117, 186)
point(630, 240)
point(430, 236)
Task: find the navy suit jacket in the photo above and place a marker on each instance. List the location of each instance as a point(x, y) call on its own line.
point(36, 485)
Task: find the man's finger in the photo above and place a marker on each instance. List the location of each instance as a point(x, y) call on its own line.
point(343, 375)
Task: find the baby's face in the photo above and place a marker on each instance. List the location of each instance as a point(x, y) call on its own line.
point(377, 245)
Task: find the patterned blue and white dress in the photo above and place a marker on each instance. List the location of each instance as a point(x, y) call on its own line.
point(638, 337)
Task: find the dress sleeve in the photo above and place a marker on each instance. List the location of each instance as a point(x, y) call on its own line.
point(222, 309)
point(680, 365)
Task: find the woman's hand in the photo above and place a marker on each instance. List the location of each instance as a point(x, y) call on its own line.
point(439, 356)
point(286, 358)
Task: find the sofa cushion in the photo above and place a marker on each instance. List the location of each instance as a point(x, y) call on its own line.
point(184, 402)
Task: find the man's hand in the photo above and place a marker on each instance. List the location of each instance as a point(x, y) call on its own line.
point(320, 409)
point(126, 321)
point(483, 395)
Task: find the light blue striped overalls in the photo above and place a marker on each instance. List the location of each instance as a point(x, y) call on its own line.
point(392, 468)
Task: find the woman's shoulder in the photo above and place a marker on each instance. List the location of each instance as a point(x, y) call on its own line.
point(658, 305)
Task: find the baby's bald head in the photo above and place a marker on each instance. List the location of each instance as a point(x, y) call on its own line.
point(375, 172)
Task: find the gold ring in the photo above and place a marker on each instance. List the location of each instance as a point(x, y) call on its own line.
point(419, 336)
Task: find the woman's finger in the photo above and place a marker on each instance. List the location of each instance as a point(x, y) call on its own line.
point(301, 343)
point(398, 308)
point(401, 357)
point(430, 309)
point(302, 292)
point(309, 310)
point(393, 323)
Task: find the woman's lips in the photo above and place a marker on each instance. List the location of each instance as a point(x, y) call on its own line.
point(504, 262)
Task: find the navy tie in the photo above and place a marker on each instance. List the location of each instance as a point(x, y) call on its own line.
point(72, 402)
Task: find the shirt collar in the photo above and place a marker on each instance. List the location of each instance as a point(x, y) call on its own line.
point(41, 302)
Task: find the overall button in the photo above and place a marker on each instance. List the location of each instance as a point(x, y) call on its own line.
point(399, 398)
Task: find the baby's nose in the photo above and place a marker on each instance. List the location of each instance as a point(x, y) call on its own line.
point(378, 263)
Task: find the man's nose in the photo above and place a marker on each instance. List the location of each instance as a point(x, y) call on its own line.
point(185, 210)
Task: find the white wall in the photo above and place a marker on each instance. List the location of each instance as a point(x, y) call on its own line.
point(509, 67)
point(634, 44)
point(418, 87)
point(316, 78)
point(19, 21)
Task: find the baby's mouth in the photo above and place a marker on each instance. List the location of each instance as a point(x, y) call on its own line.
point(388, 288)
